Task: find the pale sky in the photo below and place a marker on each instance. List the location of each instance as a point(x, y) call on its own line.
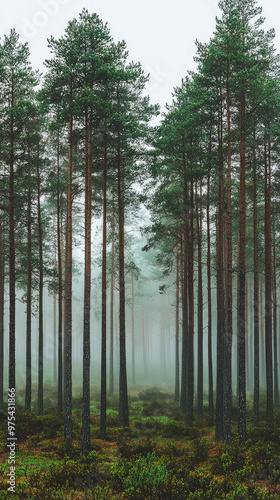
point(160, 34)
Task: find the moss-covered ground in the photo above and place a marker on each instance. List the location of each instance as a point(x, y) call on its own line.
point(155, 458)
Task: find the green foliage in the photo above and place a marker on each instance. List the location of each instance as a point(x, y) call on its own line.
point(201, 448)
point(232, 460)
point(172, 429)
point(29, 424)
point(129, 449)
point(151, 394)
point(145, 476)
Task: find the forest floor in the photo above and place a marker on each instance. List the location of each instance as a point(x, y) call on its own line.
point(155, 458)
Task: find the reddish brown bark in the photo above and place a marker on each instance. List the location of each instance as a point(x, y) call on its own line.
point(123, 396)
point(256, 304)
point(220, 292)
point(87, 292)
point(28, 309)
point(104, 300)
point(241, 278)
point(41, 288)
point(68, 304)
point(268, 288)
point(2, 296)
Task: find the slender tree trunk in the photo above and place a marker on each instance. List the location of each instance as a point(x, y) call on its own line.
point(185, 292)
point(68, 304)
point(41, 287)
point(104, 300)
point(199, 316)
point(275, 340)
point(190, 354)
point(220, 294)
point(177, 367)
point(12, 263)
point(162, 343)
point(111, 386)
point(210, 359)
point(268, 289)
point(262, 364)
point(28, 309)
point(241, 277)
point(54, 339)
point(87, 292)
point(256, 305)
point(2, 297)
point(60, 297)
point(228, 275)
point(123, 397)
point(132, 332)
point(144, 344)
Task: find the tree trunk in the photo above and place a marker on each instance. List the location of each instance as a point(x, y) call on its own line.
point(219, 434)
point(185, 293)
point(241, 278)
point(123, 397)
point(144, 345)
point(227, 401)
point(177, 367)
point(60, 297)
point(28, 309)
point(199, 316)
point(68, 305)
point(256, 305)
point(87, 292)
point(12, 263)
point(104, 301)
point(210, 359)
point(275, 340)
point(41, 287)
point(268, 289)
point(190, 352)
point(262, 308)
point(2, 296)
point(132, 332)
point(54, 339)
point(111, 386)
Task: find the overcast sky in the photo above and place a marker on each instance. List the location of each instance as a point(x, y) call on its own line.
point(160, 34)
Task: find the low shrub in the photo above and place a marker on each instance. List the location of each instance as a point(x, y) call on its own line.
point(201, 447)
point(145, 476)
point(131, 449)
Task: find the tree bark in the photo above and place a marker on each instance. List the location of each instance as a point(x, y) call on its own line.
point(12, 258)
point(275, 338)
point(210, 359)
point(60, 294)
point(177, 329)
point(2, 297)
point(219, 434)
point(68, 304)
point(41, 288)
point(190, 353)
point(111, 386)
point(28, 309)
point(104, 300)
point(199, 315)
point(268, 289)
point(241, 277)
point(256, 304)
point(123, 397)
point(227, 401)
point(185, 293)
point(132, 332)
point(87, 291)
